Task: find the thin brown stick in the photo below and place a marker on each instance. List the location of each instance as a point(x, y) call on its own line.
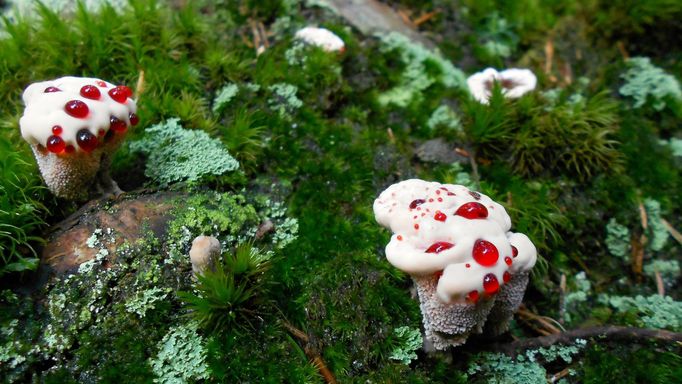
point(545, 321)
point(559, 375)
point(549, 55)
point(623, 51)
point(609, 332)
point(311, 352)
point(424, 18)
point(562, 298)
point(673, 232)
point(659, 284)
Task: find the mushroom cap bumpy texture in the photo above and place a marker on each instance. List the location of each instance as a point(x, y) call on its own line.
point(515, 82)
point(74, 125)
point(457, 246)
point(321, 37)
point(204, 253)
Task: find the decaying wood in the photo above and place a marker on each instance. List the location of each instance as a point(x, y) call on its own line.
point(609, 333)
point(311, 352)
point(371, 16)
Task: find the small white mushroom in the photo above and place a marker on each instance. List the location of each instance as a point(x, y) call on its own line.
point(321, 37)
point(514, 82)
point(205, 252)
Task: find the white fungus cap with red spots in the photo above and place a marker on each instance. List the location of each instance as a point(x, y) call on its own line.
point(460, 236)
point(72, 114)
point(515, 82)
point(322, 38)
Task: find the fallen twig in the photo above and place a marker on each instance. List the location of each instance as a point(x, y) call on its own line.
point(609, 332)
point(311, 352)
point(673, 232)
point(659, 284)
point(562, 298)
point(424, 18)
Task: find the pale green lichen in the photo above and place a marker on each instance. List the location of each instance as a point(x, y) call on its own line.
point(617, 239)
point(296, 55)
point(657, 230)
point(415, 77)
point(224, 96)
point(284, 99)
point(410, 340)
point(445, 117)
point(645, 82)
point(177, 154)
point(668, 269)
point(497, 368)
point(181, 356)
point(144, 301)
point(674, 144)
point(654, 311)
point(577, 295)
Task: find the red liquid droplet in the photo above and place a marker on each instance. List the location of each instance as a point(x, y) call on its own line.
point(101, 83)
point(118, 94)
point(485, 253)
point(55, 144)
point(508, 260)
point(127, 90)
point(416, 203)
point(439, 247)
point(51, 89)
point(506, 277)
point(451, 194)
point(467, 265)
point(490, 284)
point(473, 296)
point(400, 238)
point(430, 200)
point(515, 252)
point(101, 132)
point(475, 195)
point(77, 108)
point(416, 226)
point(70, 149)
point(438, 192)
point(440, 199)
point(134, 120)
point(57, 130)
point(117, 125)
point(472, 210)
point(438, 275)
point(86, 140)
point(440, 216)
point(91, 92)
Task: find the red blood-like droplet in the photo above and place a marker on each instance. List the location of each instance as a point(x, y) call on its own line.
point(415, 203)
point(117, 125)
point(101, 132)
point(439, 247)
point(101, 83)
point(508, 260)
point(475, 195)
point(51, 89)
point(70, 149)
point(400, 238)
point(440, 216)
point(506, 277)
point(76, 108)
point(91, 92)
point(490, 284)
point(515, 252)
point(86, 140)
point(127, 90)
point(467, 265)
point(133, 119)
point(118, 94)
point(57, 130)
point(55, 144)
point(485, 253)
point(473, 296)
point(438, 274)
point(472, 210)
point(416, 226)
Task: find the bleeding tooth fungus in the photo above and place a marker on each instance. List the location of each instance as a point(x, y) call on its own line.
point(470, 270)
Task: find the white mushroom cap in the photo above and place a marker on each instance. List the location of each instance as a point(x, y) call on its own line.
point(515, 82)
point(322, 38)
point(448, 229)
point(204, 253)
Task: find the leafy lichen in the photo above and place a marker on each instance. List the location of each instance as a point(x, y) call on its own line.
point(653, 311)
point(445, 117)
point(182, 356)
point(658, 231)
point(617, 238)
point(645, 82)
point(410, 340)
point(284, 99)
point(177, 154)
point(224, 96)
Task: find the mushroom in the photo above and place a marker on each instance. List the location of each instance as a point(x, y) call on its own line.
point(74, 126)
point(321, 37)
point(204, 253)
point(469, 269)
point(514, 82)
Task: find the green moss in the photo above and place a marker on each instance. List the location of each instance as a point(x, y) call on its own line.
point(630, 365)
